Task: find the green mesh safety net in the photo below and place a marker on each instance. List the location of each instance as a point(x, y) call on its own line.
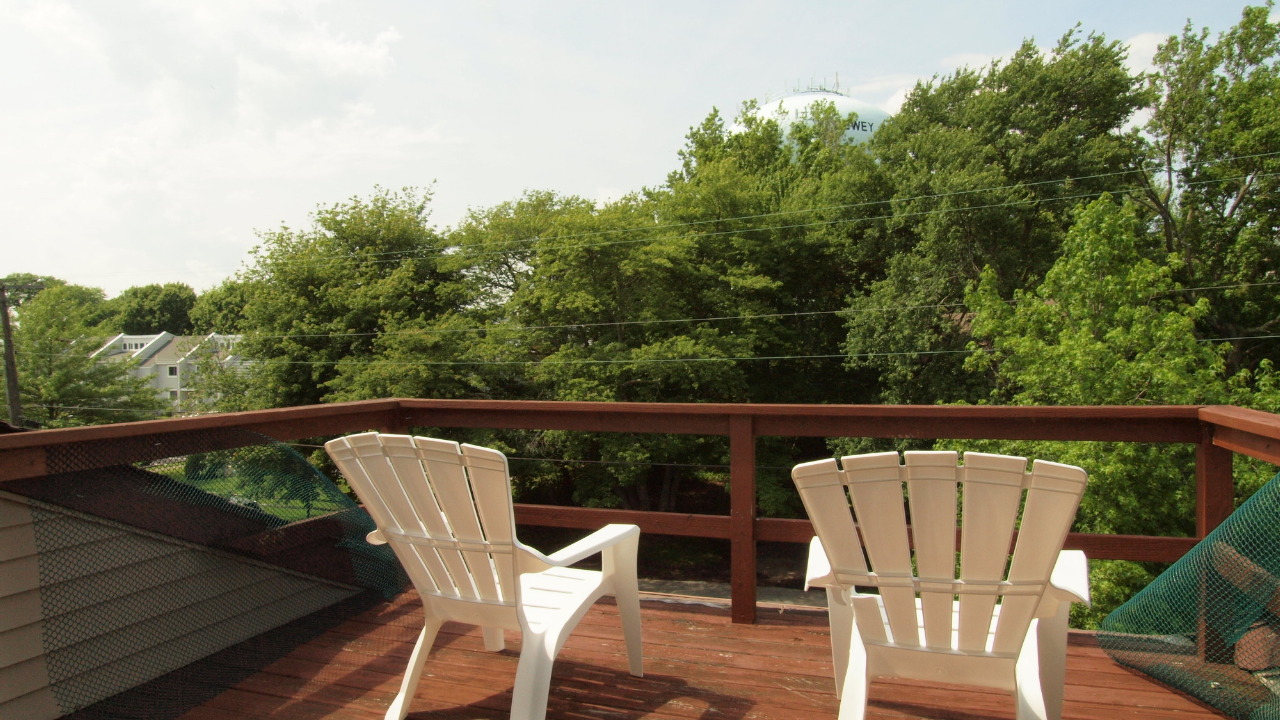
point(1210, 624)
point(163, 582)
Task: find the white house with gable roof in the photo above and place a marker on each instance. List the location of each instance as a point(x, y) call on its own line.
point(168, 361)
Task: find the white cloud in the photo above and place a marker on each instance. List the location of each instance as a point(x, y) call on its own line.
point(146, 140)
point(61, 26)
point(972, 60)
point(1142, 48)
point(606, 195)
point(886, 92)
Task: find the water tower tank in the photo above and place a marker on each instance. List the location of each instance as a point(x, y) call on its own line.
point(795, 108)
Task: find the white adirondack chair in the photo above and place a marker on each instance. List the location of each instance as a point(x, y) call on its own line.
point(446, 511)
point(989, 621)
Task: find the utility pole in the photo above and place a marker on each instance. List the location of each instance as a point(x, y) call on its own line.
point(10, 363)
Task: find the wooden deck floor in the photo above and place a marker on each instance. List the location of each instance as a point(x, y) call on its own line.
point(698, 665)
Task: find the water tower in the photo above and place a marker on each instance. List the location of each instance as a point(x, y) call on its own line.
point(796, 107)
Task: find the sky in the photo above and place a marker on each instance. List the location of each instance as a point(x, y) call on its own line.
point(151, 142)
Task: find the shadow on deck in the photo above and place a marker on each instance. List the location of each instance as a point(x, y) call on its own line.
point(698, 665)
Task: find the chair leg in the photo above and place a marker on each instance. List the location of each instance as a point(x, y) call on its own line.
point(855, 686)
point(620, 568)
point(413, 673)
point(840, 618)
point(494, 639)
point(533, 677)
point(1041, 671)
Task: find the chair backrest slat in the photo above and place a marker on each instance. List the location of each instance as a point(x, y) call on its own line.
point(875, 488)
point(823, 489)
point(374, 478)
point(491, 488)
point(932, 479)
point(992, 497)
point(447, 475)
point(1052, 495)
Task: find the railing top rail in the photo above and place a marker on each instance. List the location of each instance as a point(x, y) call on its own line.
point(1107, 422)
point(252, 419)
point(1253, 421)
point(1241, 430)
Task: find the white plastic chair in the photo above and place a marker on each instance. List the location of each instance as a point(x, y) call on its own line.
point(446, 511)
point(984, 620)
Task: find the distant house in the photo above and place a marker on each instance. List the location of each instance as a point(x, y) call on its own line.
point(168, 361)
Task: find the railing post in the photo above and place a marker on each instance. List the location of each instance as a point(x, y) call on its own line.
point(742, 517)
point(1215, 499)
point(1215, 486)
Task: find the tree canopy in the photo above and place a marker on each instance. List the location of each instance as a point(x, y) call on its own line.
point(153, 309)
point(62, 385)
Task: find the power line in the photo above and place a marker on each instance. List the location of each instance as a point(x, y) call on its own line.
point(849, 206)
point(671, 321)
point(490, 328)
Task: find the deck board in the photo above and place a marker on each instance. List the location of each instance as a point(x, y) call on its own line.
point(698, 666)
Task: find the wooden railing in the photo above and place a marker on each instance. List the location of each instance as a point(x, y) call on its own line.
point(1218, 432)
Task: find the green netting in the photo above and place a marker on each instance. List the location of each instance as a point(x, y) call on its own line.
point(1210, 624)
point(164, 582)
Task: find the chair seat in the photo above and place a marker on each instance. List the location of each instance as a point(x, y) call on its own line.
point(549, 598)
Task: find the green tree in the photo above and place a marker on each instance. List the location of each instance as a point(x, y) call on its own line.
point(1214, 136)
point(322, 298)
point(221, 309)
point(701, 290)
point(495, 247)
point(21, 287)
point(769, 218)
point(1109, 325)
point(62, 385)
point(152, 309)
point(602, 317)
point(984, 168)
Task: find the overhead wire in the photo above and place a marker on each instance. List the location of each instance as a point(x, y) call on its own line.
point(781, 214)
point(869, 203)
point(664, 321)
point(669, 321)
point(832, 208)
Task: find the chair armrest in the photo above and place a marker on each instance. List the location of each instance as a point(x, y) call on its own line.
point(596, 542)
point(817, 572)
point(1070, 577)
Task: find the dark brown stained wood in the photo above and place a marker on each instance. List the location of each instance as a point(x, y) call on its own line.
point(134, 441)
point(1253, 421)
point(1246, 443)
point(1133, 424)
point(686, 524)
point(355, 414)
point(23, 462)
point(1153, 423)
point(587, 417)
point(1141, 548)
point(1215, 488)
point(698, 665)
point(1246, 431)
point(742, 517)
